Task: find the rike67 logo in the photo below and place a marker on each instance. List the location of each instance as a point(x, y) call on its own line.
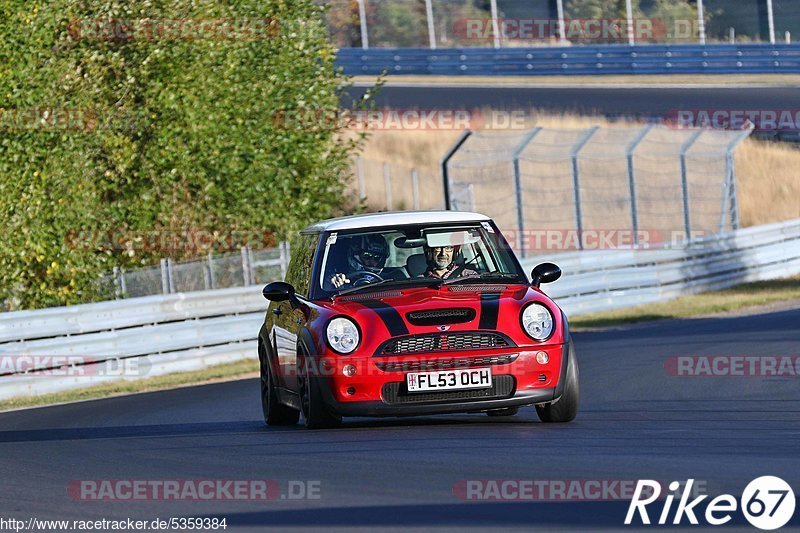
point(767, 503)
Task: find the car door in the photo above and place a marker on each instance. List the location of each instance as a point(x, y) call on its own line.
point(289, 316)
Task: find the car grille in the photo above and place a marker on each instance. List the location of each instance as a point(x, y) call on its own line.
point(442, 364)
point(397, 393)
point(439, 342)
point(436, 317)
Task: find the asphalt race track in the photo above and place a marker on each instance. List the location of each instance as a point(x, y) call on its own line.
point(635, 101)
point(636, 422)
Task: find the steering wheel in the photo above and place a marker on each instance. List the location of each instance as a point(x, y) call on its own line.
point(363, 277)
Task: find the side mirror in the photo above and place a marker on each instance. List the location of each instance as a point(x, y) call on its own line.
point(278, 291)
point(545, 273)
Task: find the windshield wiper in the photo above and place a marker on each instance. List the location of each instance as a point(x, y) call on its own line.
point(482, 277)
point(423, 282)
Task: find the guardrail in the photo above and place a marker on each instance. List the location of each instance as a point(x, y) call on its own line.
point(602, 280)
point(576, 60)
point(179, 332)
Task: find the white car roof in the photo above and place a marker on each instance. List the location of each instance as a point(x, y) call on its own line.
point(398, 218)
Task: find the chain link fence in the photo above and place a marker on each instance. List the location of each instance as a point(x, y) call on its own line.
point(658, 184)
point(221, 271)
point(383, 186)
point(466, 23)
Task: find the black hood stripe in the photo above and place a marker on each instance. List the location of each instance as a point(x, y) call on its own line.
point(391, 318)
point(490, 308)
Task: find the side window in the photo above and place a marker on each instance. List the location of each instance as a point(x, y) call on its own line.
point(298, 274)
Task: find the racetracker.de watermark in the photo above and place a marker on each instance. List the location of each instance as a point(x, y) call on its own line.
point(733, 366)
point(596, 239)
point(550, 490)
point(187, 240)
point(786, 120)
point(193, 489)
point(416, 119)
point(575, 29)
point(63, 119)
point(174, 29)
point(72, 366)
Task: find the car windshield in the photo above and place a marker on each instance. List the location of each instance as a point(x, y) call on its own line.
point(419, 255)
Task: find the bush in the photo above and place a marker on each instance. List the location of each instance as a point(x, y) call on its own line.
point(130, 136)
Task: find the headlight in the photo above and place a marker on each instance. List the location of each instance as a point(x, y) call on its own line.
point(343, 335)
point(537, 322)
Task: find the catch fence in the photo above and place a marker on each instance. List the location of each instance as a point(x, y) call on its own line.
point(660, 184)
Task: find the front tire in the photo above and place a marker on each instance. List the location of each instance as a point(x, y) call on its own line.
point(275, 413)
point(316, 414)
point(566, 408)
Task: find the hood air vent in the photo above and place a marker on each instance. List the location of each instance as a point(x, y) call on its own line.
point(437, 317)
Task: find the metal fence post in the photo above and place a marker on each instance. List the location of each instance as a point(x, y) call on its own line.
point(245, 267)
point(495, 23)
point(629, 152)
point(687, 221)
point(387, 185)
point(731, 164)
point(170, 276)
point(701, 23)
point(431, 27)
point(415, 187)
point(206, 275)
point(362, 17)
point(283, 248)
point(446, 160)
point(629, 24)
point(576, 181)
point(771, 22)
point(518, 188)
point(729, 189)
point(117, 287)
point(122, 285)
point(288, 258)
point(362, 184)
point(212, 281)
point(562, 26)
point(164, 277)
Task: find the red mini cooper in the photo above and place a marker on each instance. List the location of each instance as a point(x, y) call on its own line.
point(414, 313)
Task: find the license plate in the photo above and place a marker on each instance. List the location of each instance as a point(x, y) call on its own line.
point(476, 378)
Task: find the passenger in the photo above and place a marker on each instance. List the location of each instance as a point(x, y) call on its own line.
point(442, 263)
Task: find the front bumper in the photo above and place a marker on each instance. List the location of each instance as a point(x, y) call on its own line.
point(379, 408)
point(371, 392)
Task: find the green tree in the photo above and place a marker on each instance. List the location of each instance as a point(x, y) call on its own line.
point(678, 18)
point(398, 23)
point(600, 9)
point(166, 134)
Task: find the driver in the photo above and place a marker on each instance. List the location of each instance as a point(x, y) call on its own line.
point(366, 254)
point(442, 263)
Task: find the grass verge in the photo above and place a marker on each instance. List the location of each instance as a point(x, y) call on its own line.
point(223, 372)
point(738, 298)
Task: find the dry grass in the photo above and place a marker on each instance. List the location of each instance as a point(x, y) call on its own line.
point(767, 173)
point(769, 182)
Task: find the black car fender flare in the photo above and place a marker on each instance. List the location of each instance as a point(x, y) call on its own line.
point(566, 356)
